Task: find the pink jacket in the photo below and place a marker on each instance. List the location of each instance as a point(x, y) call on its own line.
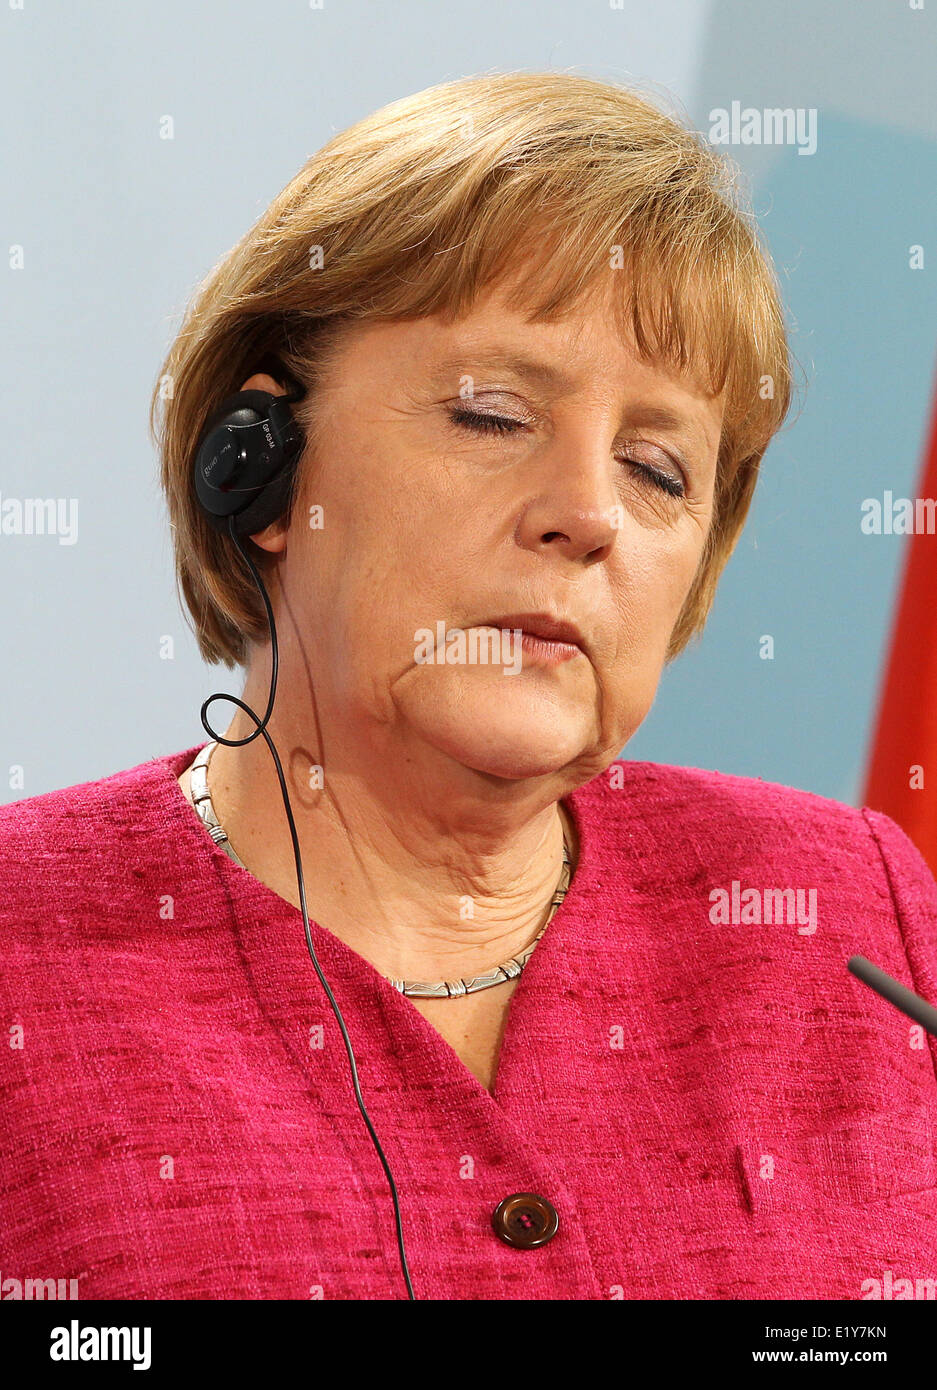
point(713, 1106)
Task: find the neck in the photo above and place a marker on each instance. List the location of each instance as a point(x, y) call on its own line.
point(432, 874)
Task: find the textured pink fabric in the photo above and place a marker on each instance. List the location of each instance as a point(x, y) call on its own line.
point(170, 1129)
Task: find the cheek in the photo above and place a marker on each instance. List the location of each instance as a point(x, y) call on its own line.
point(374, 568)
point(651, 582)
point(379, 499)
point(661, 572)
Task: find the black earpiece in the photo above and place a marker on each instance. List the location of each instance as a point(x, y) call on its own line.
point(245, 462)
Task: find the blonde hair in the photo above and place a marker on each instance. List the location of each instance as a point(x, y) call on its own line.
point(420, 206)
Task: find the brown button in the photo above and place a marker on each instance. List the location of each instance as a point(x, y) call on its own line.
point(525, 1219)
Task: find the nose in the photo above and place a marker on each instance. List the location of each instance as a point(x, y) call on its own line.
point(575, 505)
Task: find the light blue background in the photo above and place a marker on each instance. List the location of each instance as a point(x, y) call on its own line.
point(119, 226)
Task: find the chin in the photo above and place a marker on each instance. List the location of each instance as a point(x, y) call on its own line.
point(510, 738)
point(513, 759)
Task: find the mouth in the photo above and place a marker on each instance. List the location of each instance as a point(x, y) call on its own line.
point(544, 630)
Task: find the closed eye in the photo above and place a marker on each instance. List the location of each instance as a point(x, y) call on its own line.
point(483, 423)
point(475, 420)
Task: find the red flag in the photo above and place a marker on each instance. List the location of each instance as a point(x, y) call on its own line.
point(902, 771)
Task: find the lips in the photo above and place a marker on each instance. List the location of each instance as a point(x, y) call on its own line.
point(541, 625)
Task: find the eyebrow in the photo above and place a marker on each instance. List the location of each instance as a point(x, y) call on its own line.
point(556, 379)
point(666, 419)
point(531, 367)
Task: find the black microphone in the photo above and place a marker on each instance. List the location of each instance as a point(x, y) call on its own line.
point(889, 988)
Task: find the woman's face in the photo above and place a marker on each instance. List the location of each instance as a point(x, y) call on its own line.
point(487, 467)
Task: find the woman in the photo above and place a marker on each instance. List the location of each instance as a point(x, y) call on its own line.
point(540, 356)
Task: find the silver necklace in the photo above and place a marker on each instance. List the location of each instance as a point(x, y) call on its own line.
point(417, 989)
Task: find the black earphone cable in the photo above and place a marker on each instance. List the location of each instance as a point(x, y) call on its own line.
point(239, 743)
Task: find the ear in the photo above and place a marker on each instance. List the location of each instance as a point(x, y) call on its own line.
point(273, 537)
point(260, 381)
